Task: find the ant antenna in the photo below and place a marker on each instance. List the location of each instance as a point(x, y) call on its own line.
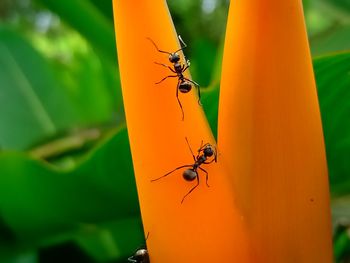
point(162, 51)
point(182, 42)
point(190, 149)
point(215, 154)
point(184, 46)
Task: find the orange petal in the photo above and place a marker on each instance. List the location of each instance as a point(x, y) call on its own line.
point(206, 227)
point(270, 132)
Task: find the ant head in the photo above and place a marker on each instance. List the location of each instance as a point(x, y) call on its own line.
point(208, 151)
point(189, 175)
point(140, 254)
point(174, 57)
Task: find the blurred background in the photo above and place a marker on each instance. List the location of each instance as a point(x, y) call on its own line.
point(67, 192)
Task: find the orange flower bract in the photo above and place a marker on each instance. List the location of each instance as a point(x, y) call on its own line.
point(270, 132)
point(207, 226)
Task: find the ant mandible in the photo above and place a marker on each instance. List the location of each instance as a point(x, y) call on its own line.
point(141, 254)
point(183, 84)
point(204, 152)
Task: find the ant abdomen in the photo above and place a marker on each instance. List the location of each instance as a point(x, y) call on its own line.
point(185, 87)
point(189, 175)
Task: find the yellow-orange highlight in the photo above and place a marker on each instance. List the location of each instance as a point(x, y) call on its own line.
point(270, 132)
point(207, 227)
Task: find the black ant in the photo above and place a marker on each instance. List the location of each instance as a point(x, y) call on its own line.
point(204, 152)
point(141, 254)
point(183, 84)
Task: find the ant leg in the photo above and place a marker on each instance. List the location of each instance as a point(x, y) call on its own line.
point(177, 97)
point(183, 43)
point(194, 158)
point(206, 175)
point(170, 76)
point(198, 89)
point(184, 68)
point(199, 95)
point(210, 161)
point(161, 51)
point(200, 149)
point(165, 66)
point(202, 146)
point(192, 81)
point(191, 189)
point(131, 259)
point(172, 172)
point(215, 154)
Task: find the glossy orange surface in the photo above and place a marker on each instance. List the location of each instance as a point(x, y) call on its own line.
point(207, 227)
point(270, 132)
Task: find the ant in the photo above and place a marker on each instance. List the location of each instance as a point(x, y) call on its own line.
point(141, 254)
point(184, 84)
point(204, 152)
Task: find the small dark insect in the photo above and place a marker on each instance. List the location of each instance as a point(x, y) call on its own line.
point(204, 152)
point(184, 84)
point(140, 255)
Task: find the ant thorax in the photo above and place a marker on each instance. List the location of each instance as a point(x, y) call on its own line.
point(178, 68)
point(201, 159)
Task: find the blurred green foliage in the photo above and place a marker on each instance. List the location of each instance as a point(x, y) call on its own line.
point(67, 191)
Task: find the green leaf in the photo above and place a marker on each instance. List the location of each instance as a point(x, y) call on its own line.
point(93, 87)
point(20, 257)
point(333, 81)
point(210, 101)
point(342, 246)
point(328, 24)
point(30, 98)
point(105, 7)
point(203, 61)
point(343, 5)
point(38, 201)
point(87, 19)
point(112, 240)
point(45, 99)
point(331, 40)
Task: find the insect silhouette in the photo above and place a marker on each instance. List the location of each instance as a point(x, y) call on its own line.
point(140, 255)
point(204, 152)
point(184, 85)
